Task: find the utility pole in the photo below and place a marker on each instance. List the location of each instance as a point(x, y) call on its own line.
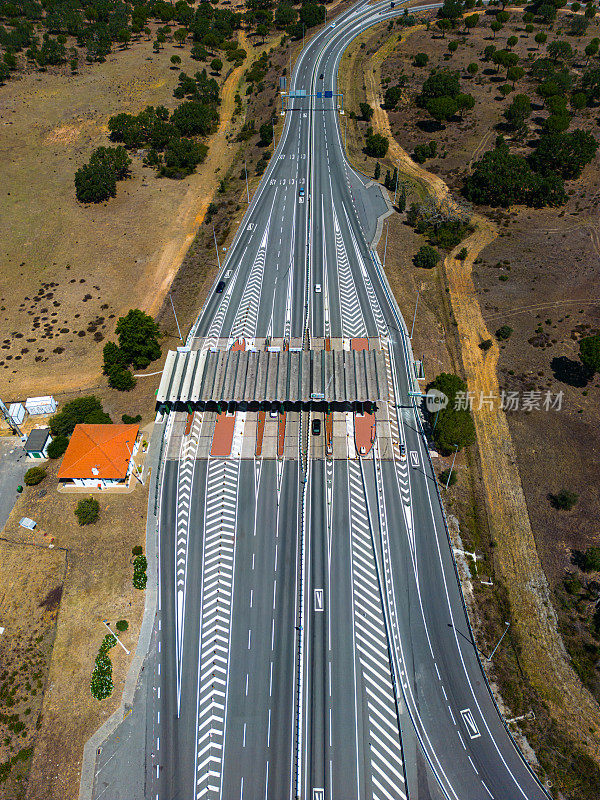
point(489, 658)
point(175, 315)
point(450, 475)
point(415, 315)
point(216, 248)
point(386, 238)
point(247, 190)
point(396, 189)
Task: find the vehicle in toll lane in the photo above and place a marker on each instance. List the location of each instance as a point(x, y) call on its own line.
point(220, 287)
point(316, 427)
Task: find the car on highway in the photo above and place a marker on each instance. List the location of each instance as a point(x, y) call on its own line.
point(403, 452)
point(273, 413)
point(316, 427)
point(317, 288)
point(301, 191)
point(220, 287)
point(321, 77)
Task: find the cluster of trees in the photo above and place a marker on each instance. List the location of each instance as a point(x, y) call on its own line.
point(589, 353)
point(96, 181)
point(441, 96)
point(138, 346)
point(454, 426)
point(424, 151)
point(169, 137)
point(83, 409)
point(376, 145)
point(501, 178)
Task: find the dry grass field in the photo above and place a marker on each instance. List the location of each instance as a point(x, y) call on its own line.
point(52, 602)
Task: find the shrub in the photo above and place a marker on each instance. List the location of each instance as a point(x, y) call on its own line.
point(427, 257)
point(34, 475)
point(87, 511)
point(57, 447)
point(127, 420)
point(590, 560)
point(122, 625)
point(504, 332)
point(101, 683)
point(485, 345)
point(589, 352)
point(454, 423)
point(444, 477)
point(137, 550)
point(421, 60)
point(140, 565)
point(424, 151)
point(366, 111)
point(462, 254)
point(95, 183)
point(564, 500)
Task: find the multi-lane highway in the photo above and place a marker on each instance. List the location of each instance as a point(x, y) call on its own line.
point(312, 638)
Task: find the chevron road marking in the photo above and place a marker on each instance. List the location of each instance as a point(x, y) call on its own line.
point(382, 328)
point(185, 479)
point(214, 332)
point(385, 755)
point(246, 317)
point(220, 518)
point(353, 323)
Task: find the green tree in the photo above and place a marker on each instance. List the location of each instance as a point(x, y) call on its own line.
point(377, 173)
point(421, 60)
point(34, 475)
point(122, 625)
point(504, 332)
point(87, 511)
point(564, 153)
point(84, 409)
point(175, 60)
point(392, 96)
point(589, 352)
point(366, 111)
point(376, 145)
point(312, 14)
point(590, 560)
point(266, 134)
point(471, 21)
point(541, 38)
point(195, 119)
point(496, 27)
point(95, 183)
point(511, 42)
point(57, 447)
point(560, 50)
point(454, 423)
point(180, 36)
point(473, 68)
point(216, 65)
point(138, 339)
point(442, 108)
point(427, 257)
point(564, 500)
point(518, 112)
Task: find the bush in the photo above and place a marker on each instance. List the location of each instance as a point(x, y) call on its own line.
point(444, 477)
point(34, 475)
point(57, 447)
point(101, 684)
point(87, 511)
point(421, 60)
point(424, 151)
point(140, 565)
point(485, 345)
point(427, 257)
point(590, 560)
point(120, 378)
point(127, 420)
point(95, 183)
point(366, 111)
point(564, 500)
point(589, 352)
point(84, 409)
point(454, 423)
point(122, 625)
point(504, 332)
point(137, 550)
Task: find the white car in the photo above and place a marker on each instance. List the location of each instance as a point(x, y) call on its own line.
point(317, 288)
point(273, 414)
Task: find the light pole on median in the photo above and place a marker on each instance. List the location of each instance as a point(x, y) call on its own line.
point(489, 658)
point(452, 465)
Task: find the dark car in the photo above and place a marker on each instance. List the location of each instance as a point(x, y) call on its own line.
point(321, 76)
point(220, 287)
point(316, 427)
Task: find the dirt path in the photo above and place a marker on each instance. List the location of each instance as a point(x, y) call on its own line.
point(543, 656)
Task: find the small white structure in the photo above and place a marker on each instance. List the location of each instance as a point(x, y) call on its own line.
point(37, 443)
point(27, 523)
point(40, 405)
point(16, 411)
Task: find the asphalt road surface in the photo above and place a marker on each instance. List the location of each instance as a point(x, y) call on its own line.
point(311, 640)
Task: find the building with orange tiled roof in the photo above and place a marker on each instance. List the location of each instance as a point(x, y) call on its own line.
point(99, 456)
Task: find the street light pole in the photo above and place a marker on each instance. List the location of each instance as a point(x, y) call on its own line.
point(106, 625)
point(415, 314)
point(247, 190)
point(175, 315)
point(387, 228)
point(452, 465)
point(489, 658)
point(216, 248)
point(396, 189)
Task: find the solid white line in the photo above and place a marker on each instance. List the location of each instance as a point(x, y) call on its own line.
point(486, 788)
point(246, 684)
point(267, 781)
point(249, 638)
point(251, 593)
point(274, 591)
point(330, 729)
point(271, 680)
point(244, 743)
point(241, 789)
point(269, 730)
point(158, 743)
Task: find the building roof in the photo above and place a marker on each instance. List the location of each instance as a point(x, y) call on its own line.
point(36, 440)
point(99, 452)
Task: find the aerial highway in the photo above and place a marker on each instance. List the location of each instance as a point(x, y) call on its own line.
point(312, 640)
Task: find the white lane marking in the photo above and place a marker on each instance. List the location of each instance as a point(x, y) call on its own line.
point(274, 592)
point(318, 599)
point(462, 741)
point(251, 593)
point(247, 684)
point(269, 730)
point(473, 765)
point(271, 679)
point(244, 740)
point(249, 638)
point(486, 788)
point(470, 723)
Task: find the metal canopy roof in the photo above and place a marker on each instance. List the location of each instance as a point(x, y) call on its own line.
point(223, 376)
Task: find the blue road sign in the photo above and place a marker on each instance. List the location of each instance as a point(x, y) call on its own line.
point(319, 95)
point(328, 93)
